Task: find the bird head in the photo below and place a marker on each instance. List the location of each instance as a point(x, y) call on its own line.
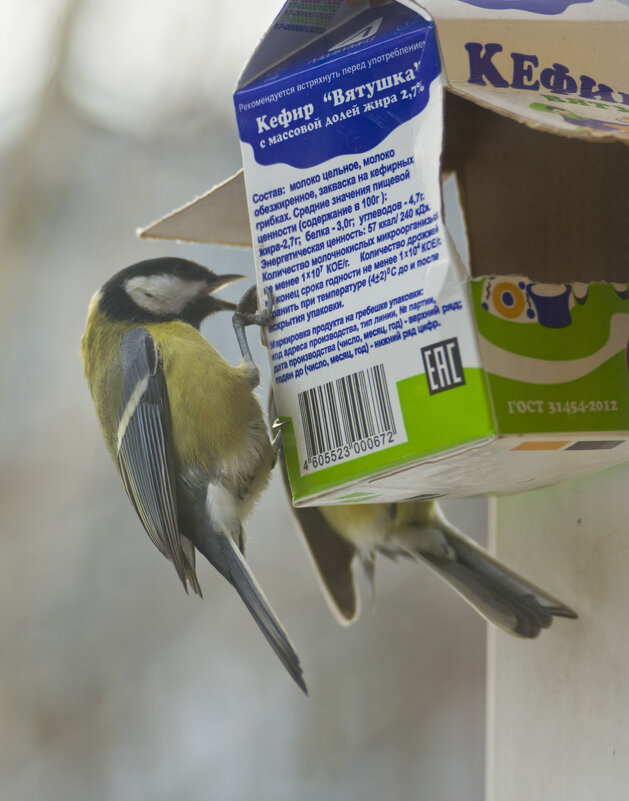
point(164, 289)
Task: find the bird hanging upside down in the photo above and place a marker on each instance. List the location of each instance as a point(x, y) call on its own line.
point(181, 424)
point(340, 536)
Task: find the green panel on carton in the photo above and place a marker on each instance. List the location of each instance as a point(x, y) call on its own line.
point(433, 423)
point(580, 380)
point(596, 402)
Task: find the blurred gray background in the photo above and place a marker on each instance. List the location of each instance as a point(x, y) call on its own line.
point(113, 683)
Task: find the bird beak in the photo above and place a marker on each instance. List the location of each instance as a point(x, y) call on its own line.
point(223, 280)
point(223, 305)
point(219, 282)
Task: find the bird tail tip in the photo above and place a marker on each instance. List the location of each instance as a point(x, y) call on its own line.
point(228, 560)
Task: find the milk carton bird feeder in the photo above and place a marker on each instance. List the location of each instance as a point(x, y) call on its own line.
point(404, 364)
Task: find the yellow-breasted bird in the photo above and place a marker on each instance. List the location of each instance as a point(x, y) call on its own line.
point(338, 537)
point(182, 425)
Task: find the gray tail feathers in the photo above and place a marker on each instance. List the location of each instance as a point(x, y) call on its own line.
point(224, 554)
point(496, 592)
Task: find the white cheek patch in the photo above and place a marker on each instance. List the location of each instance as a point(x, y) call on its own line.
point(163, 294)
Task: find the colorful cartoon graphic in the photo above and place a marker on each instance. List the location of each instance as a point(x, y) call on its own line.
point(521, 301)
point(527, 302)
point(548, 7)
point(508, 299)
point(526, 353)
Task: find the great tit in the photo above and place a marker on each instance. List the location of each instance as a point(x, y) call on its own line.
point(339, 537)
point(182, 425)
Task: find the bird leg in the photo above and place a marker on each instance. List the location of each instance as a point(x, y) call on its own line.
point(248, 313)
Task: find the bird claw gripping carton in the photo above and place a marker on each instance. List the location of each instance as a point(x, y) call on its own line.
point(397, 374)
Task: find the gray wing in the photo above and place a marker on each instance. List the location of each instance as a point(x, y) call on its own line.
point(333, 557)
point(145, 457)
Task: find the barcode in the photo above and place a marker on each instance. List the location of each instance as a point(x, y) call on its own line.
point(346, 411)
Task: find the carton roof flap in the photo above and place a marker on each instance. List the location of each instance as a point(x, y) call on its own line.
point(349, 34)
point(287, 34)
point(561, 74)
point(220, 217)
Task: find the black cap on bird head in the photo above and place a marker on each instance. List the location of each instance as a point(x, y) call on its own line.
point(163, 289)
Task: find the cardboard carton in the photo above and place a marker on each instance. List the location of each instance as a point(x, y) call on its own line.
point(399, 374)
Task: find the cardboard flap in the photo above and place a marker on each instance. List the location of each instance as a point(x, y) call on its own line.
point(560, 74)
point(219, 217)
point(553, 208)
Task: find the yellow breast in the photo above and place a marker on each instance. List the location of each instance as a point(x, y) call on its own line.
point(213, 410)
point(364, 524)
